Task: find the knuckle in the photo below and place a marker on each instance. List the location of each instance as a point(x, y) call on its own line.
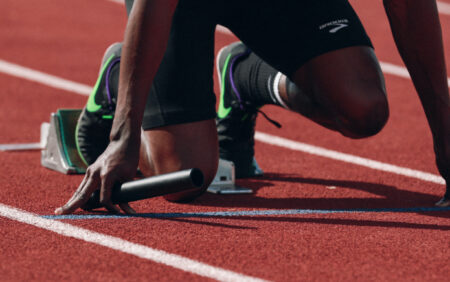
point(91, 171)
point(104, 174)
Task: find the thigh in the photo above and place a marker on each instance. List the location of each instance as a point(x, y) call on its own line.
point(348, 82)
point(182, 90)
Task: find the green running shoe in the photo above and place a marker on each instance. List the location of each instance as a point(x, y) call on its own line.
point(95, 121)
point(236, 118)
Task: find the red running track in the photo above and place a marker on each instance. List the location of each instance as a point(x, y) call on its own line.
point(67, 39)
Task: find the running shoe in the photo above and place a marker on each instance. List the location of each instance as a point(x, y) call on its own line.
point(236, 118)
point(95, 121)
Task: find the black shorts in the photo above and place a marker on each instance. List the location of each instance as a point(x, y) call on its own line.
point(284, 33)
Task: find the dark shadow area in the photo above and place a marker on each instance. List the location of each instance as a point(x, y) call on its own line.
point(387, 196)
point(213, 224)
point(295, 219)
point(348, 222)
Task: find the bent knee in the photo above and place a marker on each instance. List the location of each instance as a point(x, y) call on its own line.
point(368, 118)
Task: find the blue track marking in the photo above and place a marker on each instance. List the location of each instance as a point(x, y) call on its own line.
point(247, 213)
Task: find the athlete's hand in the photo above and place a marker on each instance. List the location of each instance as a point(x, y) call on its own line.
point(117, 164)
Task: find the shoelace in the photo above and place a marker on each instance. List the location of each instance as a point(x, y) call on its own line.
point(248, 107)
point(272, 121)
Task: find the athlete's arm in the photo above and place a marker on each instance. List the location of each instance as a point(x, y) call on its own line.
point(145, 41)
point(417, 33)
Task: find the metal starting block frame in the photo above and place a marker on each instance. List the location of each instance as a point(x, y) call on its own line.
point(224, 181)
point(60, 153)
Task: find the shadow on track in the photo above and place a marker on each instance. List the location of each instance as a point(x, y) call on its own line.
point(385, 196)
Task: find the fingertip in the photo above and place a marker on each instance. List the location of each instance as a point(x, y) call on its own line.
point(127, 208)
point(443, 203)
point(112, 208)
point(59, 211)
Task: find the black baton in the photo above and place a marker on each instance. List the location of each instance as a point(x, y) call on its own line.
point(149, 187)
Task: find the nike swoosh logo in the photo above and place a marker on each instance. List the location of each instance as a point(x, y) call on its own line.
point(91, 105)
point(223, 111)
point(338, 27)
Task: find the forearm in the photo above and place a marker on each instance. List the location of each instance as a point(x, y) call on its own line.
point(145, 42)
point(417, 33)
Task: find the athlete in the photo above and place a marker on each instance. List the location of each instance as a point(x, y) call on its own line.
point(319, 62)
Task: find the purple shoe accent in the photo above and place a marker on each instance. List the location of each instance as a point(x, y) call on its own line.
point(108, 73)
point(233, 85)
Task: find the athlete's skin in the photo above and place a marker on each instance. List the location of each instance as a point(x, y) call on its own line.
point(324, 94)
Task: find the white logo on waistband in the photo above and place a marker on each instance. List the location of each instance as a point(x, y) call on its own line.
point(335, 25)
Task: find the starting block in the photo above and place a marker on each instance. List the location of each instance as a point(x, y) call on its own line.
point(59, 147)
point(59, 152)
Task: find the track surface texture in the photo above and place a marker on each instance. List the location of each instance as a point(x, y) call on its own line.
point(310, 218)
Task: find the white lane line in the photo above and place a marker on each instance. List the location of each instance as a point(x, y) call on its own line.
point(444, 8)
point(397, 70)
point(278, 141)
point(118, 1)
point(44, 78)
point(124, 246)
point(322, 152)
